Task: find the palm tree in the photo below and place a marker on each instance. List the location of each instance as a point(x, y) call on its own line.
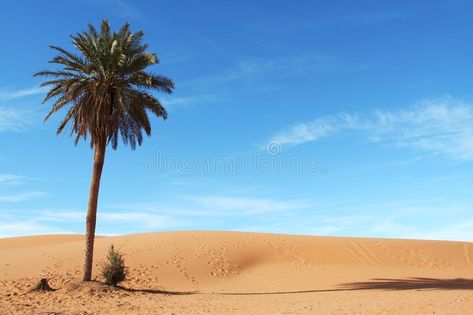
point(105, 86)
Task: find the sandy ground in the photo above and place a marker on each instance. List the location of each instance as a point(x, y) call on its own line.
point(240, 273)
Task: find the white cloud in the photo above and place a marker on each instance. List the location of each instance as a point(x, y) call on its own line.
point(10, 179)
point(216, 206)
point(10, 229)
point(248, 205)
point(139, 218)
point(147, 220)
point(185, 101)
point(9, 94)
point(362, 18)
point(14, 179)
point(285, 63)
point(366, 225)
point(154, 208)
point(61, 215)
point(21, 197)
point(120, 8)
point(400, 220)
point(179, 101)
point(15, 117)
point(395, 228)
point(312, 131)
point(276, 66)
point(439, 126)
point(458, 231)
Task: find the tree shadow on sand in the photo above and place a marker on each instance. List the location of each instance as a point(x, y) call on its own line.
point(98, 286)
point(374, 284)
point(156, 291)
point(411, 284)
point(384, 284)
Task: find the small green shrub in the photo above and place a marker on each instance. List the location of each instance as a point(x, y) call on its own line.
point(114, 270)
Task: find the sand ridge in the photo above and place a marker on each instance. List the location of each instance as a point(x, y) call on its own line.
point(216, 272)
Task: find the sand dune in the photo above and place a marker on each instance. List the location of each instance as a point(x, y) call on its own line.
point(241, 273)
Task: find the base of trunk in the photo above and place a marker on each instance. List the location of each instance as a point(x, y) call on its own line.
point(42, 285)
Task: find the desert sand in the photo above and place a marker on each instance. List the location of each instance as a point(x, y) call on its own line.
point(202, 272)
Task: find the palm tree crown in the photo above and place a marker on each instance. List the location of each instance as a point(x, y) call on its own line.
point(107, 86)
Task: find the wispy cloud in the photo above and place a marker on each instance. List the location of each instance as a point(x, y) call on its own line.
point(433, 221)
point(147, 220)
point(15, 117)
point(12, 179)
point(312, 131)
point(439, 126)
point(276, 66)
point(238, 205)
point(295, 63)
point(10, 94)
point(136, 218)
point(120, 8)
point(462, 230)
point(124, 9)
point(21, 197)
point(408, 222)
point(14, 228)
point(185, 101)
point(370, 226)
point(218, 206)
point(374, 17)
point(362, 18)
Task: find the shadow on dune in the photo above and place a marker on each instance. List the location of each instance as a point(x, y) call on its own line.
point(99, 286)
point(153, 291)
point(384, 284)
point(411, 284)
point(375, 284)
point(280, 292)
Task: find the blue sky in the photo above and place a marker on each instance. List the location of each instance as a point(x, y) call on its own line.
point(315, 117)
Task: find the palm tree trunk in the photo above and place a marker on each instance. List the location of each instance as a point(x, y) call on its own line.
point(91, 218)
